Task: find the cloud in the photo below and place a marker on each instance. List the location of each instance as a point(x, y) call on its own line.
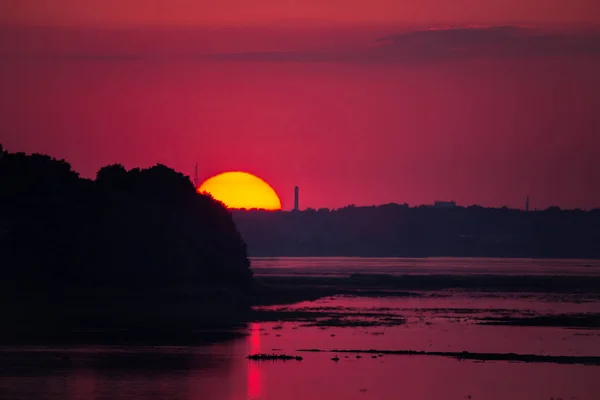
point(412, 47)
point(443, 45)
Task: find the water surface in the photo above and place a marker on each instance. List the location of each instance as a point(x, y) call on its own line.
point(441, 321)
point(343, 266)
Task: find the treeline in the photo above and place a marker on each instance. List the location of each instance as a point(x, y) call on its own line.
point(130, 247)
point(425, 231)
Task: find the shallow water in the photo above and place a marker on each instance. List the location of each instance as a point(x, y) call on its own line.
point(439, 324)
point(344, 266)
point(446, 321)
point(222, 372)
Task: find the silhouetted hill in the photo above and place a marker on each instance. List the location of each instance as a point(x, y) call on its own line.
point(399, 230)
point(137, 250)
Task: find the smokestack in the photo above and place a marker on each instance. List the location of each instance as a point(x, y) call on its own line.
point(296, 198)
point(196, 183)
point(527, 204)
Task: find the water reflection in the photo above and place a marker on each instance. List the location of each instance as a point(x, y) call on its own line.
point(81, 385)
point(220, 371)
point(211, 371)
point(254, 373)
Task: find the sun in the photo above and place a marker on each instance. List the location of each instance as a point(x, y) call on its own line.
point(241, 190)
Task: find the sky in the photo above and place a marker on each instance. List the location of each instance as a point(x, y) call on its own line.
point(356, 102)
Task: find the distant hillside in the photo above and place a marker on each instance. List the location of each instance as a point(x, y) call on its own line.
point(398, 230)
point(136, 249)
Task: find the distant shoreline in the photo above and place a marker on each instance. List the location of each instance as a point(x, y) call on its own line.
point(396, 230)
point(427, 257)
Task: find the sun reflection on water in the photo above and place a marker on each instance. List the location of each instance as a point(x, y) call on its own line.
point(254, 373)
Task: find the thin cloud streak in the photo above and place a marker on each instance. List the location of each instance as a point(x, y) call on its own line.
point(410, 47)
point(443, 45)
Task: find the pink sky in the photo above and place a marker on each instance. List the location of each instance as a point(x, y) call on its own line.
point(483, 116)
point(244, 12)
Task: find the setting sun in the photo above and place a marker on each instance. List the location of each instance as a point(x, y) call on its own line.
point(241, 190)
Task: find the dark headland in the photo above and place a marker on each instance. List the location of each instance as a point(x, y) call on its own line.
point(138, 256)
point(130, 256)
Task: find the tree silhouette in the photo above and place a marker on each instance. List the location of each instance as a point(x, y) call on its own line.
point(142, 232)
point(399, 230)
point(113, 177)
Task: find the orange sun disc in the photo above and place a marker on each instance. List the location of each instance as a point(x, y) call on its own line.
point(241, 190)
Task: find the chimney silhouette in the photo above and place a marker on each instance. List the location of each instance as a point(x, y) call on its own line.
point(527, 204)
point(296, 198)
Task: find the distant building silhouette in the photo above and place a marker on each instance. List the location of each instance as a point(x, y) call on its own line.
point(296, 198)
point(444, 204)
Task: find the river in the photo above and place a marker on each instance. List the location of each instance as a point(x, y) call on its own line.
point(438, 324)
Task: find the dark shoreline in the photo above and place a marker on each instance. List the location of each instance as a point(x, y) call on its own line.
point(399, 230)
point(482, 357)
point(195, 322)
point(285, 289)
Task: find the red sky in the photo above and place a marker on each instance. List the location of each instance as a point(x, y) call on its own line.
point(484, 115)
point(244, 12)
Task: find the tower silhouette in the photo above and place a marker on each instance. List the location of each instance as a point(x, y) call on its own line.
point(296, 198)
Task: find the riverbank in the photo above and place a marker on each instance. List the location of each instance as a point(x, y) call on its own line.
point(273, 289)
